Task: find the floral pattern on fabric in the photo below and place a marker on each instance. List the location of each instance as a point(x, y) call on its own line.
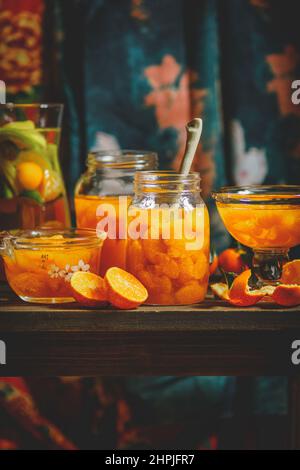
point(21, 44)
point(139, 73)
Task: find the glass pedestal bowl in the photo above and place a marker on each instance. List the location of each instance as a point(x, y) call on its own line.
point(266, 219)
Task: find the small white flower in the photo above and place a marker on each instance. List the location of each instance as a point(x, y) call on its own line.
point(54, 271)
point(68, 277)
point(82, 265)
point(66, 273)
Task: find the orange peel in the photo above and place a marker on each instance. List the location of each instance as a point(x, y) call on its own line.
point(287, 295)
point(291, 272)
point(239, 294)
point(220, 289)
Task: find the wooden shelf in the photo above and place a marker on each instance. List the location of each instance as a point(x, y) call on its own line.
point(206, 339)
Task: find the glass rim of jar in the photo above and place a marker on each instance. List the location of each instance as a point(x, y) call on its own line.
point(122, 159)
point(166, 181)
point(252, 194)
point(74, 237)
point(31, 105)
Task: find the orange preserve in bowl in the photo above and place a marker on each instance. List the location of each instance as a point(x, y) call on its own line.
point(39, 264)
point(262, 224)
point(266, 219)
point(168, 238)
point(103, 194)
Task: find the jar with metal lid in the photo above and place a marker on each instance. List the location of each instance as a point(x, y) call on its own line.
point(108, 183)
point(168, 237)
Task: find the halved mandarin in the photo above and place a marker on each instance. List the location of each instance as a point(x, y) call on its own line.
point(89, 289)
point(287, 295)
point(125, 291)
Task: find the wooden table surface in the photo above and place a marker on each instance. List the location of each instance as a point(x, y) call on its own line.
point(206, 339)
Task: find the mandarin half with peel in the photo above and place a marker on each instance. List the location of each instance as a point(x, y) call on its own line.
point(89, 289)
point(124, 290)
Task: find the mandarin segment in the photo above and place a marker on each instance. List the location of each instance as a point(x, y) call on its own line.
point(201, 267)
point(146, 278)
point(170, 268)
point(174, 271)
point(262, 225)
point(191, 293)
point(153, 251)
point(186, 268)
point(29, 284)
point(135, 255)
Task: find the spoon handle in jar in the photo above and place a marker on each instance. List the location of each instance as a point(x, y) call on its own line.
point(193, 130)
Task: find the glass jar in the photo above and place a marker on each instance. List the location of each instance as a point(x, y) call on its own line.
point(39, 263)
point(168, 237)
point(107, 182)
point(32, 192)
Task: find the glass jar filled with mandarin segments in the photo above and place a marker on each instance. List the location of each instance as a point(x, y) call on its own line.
point(109, 175)
point(168, 237)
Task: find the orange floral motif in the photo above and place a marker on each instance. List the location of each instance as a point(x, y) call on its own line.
point(260, 3)
point(176, 101)
point(283, 67)
point(20, 48)
point(137, 10)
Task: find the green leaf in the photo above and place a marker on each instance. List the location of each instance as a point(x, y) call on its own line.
point(8, 193)
point(9, 172)
point(35, 195)
point(24, 138)
point(229, 278)
point(20, 125)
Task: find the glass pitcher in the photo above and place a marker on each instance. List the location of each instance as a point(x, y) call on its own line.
point(32, 191)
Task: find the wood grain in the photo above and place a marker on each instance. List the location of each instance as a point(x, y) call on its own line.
point(206, 339)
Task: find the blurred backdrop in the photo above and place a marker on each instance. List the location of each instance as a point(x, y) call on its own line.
point(131, 74)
